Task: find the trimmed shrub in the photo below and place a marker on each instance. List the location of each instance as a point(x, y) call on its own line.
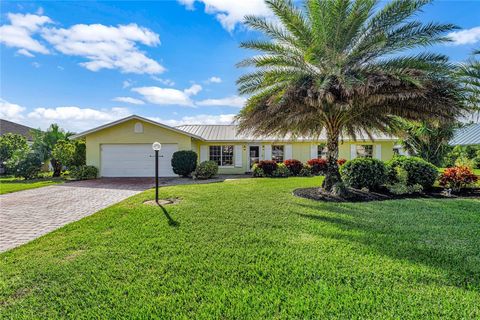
point(294, 166)
point(206, 170)
point(268, 167)
point(401, 186)
point(306, 171)
point(364, 173)
point(184, 162)
point(257, 172)
point(419, 171)
point(341, 162)
point(28, 166)
point(457, 178)
point(83, 172)
point(318, 165)
point(281, 172)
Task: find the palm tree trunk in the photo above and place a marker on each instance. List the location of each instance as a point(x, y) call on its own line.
point(332, 175)
point(57, 167)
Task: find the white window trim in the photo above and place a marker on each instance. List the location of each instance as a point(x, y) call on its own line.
point(279, 145)
point(221, 153)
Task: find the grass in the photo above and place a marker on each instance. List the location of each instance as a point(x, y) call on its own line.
point(11, 184)
point(248, 249)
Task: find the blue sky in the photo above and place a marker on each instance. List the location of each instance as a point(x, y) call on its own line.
point(82, 64)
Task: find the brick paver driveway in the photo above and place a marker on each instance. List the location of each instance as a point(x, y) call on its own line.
point(26, 215)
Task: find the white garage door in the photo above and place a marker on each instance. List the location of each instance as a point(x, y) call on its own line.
point(135, 160)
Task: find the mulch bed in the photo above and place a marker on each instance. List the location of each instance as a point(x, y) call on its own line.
point(355, 195)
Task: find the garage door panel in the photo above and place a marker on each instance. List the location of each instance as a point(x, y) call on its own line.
point(135, 160)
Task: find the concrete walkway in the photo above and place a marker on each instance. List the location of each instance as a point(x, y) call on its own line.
point(26, 215)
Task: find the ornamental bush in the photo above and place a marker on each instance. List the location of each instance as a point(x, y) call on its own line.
point(184, 162)
point(318, 165)
point(268, 167)
point(364, 173)
point(295, 166)
point(457, 178)
point(28, 166)
point(418, 170)
point(257, 172)
point(401, 186)
point(341, 162)
point(306, 171)
point(83, 172)
point(206, 170)
point(281, 172)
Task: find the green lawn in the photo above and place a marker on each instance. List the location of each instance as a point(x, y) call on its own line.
point(8, 185)
point(248, 249)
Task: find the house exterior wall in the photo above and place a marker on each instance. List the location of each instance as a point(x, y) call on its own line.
point(124, 133)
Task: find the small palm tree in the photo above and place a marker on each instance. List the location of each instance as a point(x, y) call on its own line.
point(44, 142)
point(469, 75)
point(336, 68)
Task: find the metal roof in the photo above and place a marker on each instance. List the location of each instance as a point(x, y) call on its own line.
point(230, 133)
point(466, 135)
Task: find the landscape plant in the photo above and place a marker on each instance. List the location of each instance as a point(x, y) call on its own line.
point(83, 172)
point(184, 162)
point(457, 178)
point(282, 171)
point(267, 166)
point(418, 171)
point(206, 170)
point(28, 166)
point(44, 143)
point(318, 165)
point(364, 173)
point(339, 67)
point(294, 166)
point(12, 146)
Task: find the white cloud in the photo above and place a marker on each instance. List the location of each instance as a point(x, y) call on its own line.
point(169, 96)
point(128, 100)
point(11, 111)
point(198, 119)
point(193, 90)
point(25, 52)
point(74, 118)
point(467, 36)
point(166, 82)
point(126, 84)
point(107, 47)
point(18, 34)
point(214, 80)
point(233, 101)
point(230, 12)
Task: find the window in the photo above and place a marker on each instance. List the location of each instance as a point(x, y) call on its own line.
point(222, 155)
point(277, 153)
point(322, 151)
point(365, 151)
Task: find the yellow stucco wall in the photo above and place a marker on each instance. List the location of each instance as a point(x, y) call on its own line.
point(123, 133)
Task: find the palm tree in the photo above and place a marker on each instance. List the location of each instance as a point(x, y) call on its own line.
point(425, 139)
point(44, 142)
point(469, 75)
point(336, 67)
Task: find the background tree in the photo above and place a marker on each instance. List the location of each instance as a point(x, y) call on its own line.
point(11, 145)
point(44, 142)
point(70, 153)
point(337, 67)
point(426, 139)
point(469, 75)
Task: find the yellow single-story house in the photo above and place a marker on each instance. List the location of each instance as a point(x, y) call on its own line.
point(123, 148)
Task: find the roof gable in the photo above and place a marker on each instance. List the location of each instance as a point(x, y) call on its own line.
point(132, 117)
point(16, 128)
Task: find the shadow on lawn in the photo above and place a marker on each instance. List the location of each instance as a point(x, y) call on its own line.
point(171, 221)
point(446, 239)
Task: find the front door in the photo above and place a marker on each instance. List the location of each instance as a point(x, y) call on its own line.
point(253, 155)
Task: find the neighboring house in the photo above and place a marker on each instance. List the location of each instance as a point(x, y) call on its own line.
point(468, 135)
point(123, 148)
point(12, 127)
